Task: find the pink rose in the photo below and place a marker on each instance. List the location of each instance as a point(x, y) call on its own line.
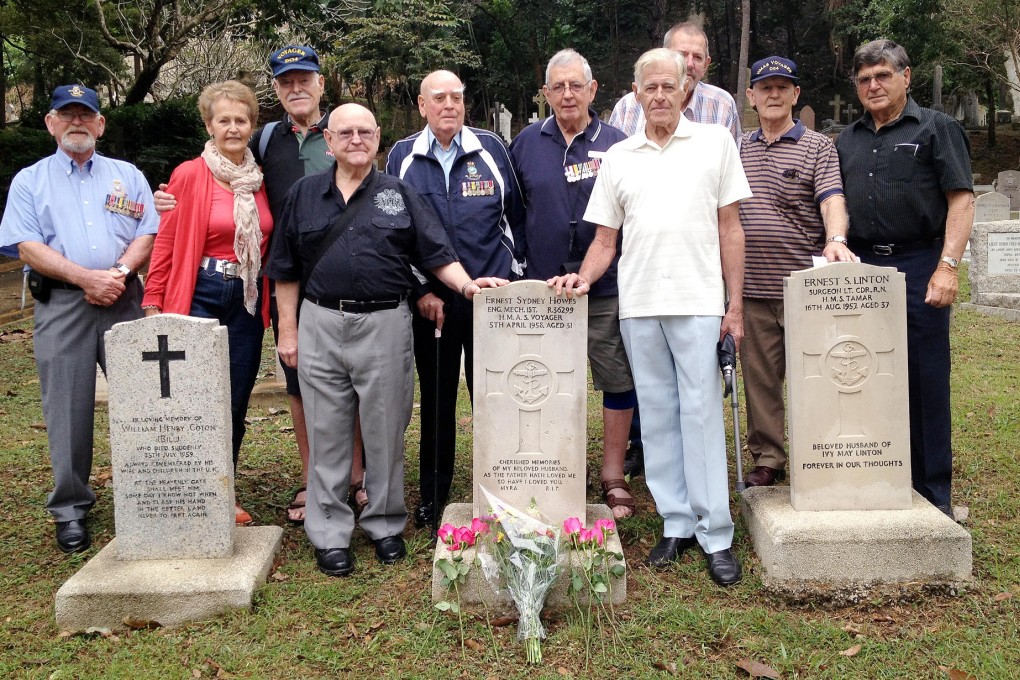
point(571, 525)
point(479, 526)
point(607, 526)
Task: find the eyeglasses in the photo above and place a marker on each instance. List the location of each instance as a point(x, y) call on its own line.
point(559, 88)
point(882, 78)
point(347, 135)
point(83, 116)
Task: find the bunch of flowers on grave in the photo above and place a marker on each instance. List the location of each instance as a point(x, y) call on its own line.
point(522, 556)
point(591, 582)
point(455, 568)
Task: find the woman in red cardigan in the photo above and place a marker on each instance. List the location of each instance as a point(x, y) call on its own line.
point(208, 255)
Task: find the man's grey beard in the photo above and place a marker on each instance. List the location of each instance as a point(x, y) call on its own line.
point(75, 146)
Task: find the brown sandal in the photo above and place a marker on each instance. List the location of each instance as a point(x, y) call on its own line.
point(297, 505)
point(614, 501)
point(357, 488)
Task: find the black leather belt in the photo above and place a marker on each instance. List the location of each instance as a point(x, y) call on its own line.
point(61, 285)
point(858, 245)
point(354, 306)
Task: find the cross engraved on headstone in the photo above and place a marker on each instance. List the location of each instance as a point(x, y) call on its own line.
point(836, 102)
point(849, 362)
point(541, 100)
point(164, 356)
point(530, 382)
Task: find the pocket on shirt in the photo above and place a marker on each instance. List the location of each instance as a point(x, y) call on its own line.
point(312, 226)
point(392, 222)
point(908, 160)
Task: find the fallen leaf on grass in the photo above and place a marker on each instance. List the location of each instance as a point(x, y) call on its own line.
point(756, 669)
point(38, 426)
point(851, 629)
point(956, 673)
point(1002, 596)
point(501, 621)
point(223, 674)
point(851, 652)
point(16, 335)
point(465, 421)
point(279, 576)
point(563, 671)
point(475, 645)
point(665, 667)
point(353, 629)
point(287, 428)
point(273, 411)
point(140, 624)
point(196, 673)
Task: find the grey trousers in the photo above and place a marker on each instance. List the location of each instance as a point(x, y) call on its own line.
point(68, 344)
point(348, 362)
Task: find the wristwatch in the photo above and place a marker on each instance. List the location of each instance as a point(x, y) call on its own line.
point(123, 268)
point(836, 239)
point(951, 261)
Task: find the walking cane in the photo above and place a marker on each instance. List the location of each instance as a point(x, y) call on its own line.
point(435, 444)
point(727, 350)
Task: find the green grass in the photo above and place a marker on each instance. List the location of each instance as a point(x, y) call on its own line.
point(380, 622)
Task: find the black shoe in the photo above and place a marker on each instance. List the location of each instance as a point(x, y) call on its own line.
point(424, 514)
point(764, 476)
point(390, 549)
point(669, 549)
point(73, 536)
point(723, 567)
point(334, 561)
point(634, 461)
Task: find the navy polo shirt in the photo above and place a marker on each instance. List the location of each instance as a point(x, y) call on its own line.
point(557, 180)
point(371, 260)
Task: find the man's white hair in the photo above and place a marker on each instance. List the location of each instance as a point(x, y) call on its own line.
point(655, 56)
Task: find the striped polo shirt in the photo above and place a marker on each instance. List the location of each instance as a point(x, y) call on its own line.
point(782, 221)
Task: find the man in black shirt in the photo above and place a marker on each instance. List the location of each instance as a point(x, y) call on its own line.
point(346, 242)
point(909, 192)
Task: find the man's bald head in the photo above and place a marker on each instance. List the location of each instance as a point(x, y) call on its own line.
point(352, 136)
point(441, 103)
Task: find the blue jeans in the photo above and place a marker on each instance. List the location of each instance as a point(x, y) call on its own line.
point(223, 300)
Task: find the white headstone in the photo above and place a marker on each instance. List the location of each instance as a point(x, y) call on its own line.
point(991, 207)
point(846, 362)
point(530, 413)
point(170, 434)
point(1008, 184)
point(995, 267)
point(504, 122)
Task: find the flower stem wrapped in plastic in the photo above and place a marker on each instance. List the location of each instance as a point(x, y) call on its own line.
point(522, 556)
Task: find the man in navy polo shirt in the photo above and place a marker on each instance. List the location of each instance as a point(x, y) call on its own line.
point(557, 160)
point(796, 211)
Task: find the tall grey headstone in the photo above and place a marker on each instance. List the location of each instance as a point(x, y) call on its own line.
point(530, 375)
point(1008, 184)
point(846, 359)
point(991, 207)
point(936, 89)
point(170, 434)
point(504, 123)
point(807, 117)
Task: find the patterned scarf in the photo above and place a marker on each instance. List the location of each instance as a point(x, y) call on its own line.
point(244, 180)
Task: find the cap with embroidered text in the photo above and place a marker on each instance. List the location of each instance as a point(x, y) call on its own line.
point(65, 95)
point(294, 58)
point(773, 66)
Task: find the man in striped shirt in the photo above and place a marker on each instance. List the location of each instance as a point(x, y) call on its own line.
point(704, 103)
point(797, 211)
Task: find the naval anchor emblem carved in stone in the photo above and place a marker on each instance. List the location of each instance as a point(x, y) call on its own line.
point(848, 362)
point(530, 382)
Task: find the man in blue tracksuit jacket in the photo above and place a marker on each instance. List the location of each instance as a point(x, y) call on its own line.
point(466, 175)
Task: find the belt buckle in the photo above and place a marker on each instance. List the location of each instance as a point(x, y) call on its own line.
point(882, 249)
point(230, 270)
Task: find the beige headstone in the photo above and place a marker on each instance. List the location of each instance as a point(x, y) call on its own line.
point(1008, 184)
point(846, 362)
point(991, 207)
point(995, 265)
point(530, 410)
point(170, 434)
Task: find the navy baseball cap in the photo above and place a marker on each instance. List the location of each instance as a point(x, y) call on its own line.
point(75, 94)
point(294, 58)
point(773, 66)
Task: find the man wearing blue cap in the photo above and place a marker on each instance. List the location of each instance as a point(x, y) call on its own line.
point(287, 150)
point(84, 224)
point(797, 211)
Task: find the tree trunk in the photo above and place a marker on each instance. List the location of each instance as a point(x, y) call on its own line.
point(745, 42)
point(3, 84)
point(143, 83)
point(990, 96)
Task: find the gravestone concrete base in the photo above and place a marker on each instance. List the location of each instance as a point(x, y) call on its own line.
point(478, 591)
point(1010, 312)
point(171, 592)
point(803, 549)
